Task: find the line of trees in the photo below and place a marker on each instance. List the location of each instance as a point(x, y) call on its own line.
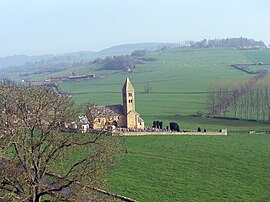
point(229, 42)
point(123, 62)
point(241, 99)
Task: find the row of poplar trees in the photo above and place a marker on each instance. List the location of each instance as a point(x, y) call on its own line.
point(241, 99)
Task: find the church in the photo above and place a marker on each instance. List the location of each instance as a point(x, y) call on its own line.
point(120, 116)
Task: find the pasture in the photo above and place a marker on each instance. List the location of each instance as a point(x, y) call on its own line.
point(179, 79)
point(192, 168)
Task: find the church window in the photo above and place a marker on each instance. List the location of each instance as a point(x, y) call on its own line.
point(129, 94)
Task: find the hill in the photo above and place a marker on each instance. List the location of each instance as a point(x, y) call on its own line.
point(17, 60)
point(127, 49)
point(23, 65)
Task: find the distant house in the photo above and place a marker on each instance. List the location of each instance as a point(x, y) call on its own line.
point(120, 116)
point(82, 125)
point(72, 77)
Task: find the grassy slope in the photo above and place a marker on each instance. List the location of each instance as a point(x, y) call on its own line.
point(257, 56)
point(192, 168)
point(179, 78)
point(175, 74)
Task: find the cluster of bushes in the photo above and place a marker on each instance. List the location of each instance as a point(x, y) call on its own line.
point(138, 53)
point(157, 124)
point(123, 62)
point(200, 130)
point(174, 127)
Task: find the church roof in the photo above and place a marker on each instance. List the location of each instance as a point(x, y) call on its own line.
point(128, 85)
point(106, 111)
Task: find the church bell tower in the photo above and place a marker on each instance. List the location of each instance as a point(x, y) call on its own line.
point(132, 118)
point(129, 105)
point(128, 97)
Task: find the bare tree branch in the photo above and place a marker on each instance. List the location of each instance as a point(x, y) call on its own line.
point(30, 121)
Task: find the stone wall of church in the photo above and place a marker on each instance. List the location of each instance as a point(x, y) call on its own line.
point(104, 122)
point(133, 121)
point(140, 125)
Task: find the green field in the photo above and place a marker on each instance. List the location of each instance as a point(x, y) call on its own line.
point(179, 79)
point(193, 168)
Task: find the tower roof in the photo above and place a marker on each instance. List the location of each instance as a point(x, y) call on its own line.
point(127, 85)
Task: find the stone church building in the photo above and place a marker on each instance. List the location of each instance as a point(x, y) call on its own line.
point(121, 116)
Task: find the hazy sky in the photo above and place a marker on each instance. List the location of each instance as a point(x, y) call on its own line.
point(55, 26)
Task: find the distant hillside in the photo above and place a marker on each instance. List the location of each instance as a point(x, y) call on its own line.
point(21, 60)
point(18, 60)
point(127, 49)
point(83, 56)
point(25, 65)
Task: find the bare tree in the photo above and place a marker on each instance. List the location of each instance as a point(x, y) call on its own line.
point(147, 88)
point(247, 99)
point(39, 161)
point(212, 100)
